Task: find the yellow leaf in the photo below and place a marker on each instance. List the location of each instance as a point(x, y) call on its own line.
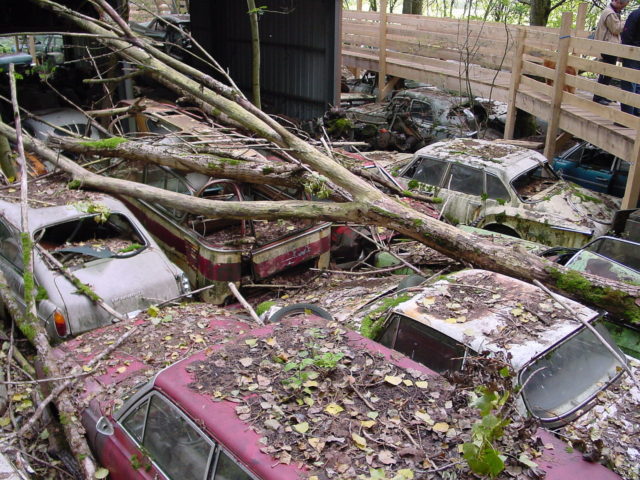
point(86, 368)
point(428, 301)
point(404, 474)
point(393, 380)
point(360, 442)
point(425, 417)
point(451, 320)
point(251, 342)
point(516, 311)
point(316, 443)
point(367, 423)
point(442, 427)
point(301, 427)
point(469, 331)
point(197, 338)
point(461, 319)
point(333, 409)
point(422, 384)
point(310, 383)
point(121, 369)
point(407, 382)
point(284, 297)
point(270, 341)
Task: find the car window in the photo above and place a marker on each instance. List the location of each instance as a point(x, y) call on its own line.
point(534, 181)
point(427, 170)
point(496, 189)
point(9, 246)
point(423, 344)
point(622, 252)
point(81, 129)
point(421, 110)
point(171, 441)
point(465, 179)
point(565, 378)
point(161, 178)
point(228, 469)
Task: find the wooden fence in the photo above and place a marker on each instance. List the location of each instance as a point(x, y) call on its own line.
point(524, 66)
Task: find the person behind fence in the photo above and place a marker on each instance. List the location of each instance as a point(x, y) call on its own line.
point(610, 24)
point(631, 36)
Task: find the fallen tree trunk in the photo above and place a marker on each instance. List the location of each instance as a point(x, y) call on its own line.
point(618, 298)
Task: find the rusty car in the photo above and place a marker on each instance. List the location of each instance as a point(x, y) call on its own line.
point(301, 398)
point(507, 189)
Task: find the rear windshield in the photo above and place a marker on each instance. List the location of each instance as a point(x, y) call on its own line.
point(88, 238)
point(533, 182)
point(567, 377)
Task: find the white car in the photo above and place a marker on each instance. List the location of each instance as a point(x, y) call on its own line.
point(508, 189)
point(103, 245)
point(560, 363)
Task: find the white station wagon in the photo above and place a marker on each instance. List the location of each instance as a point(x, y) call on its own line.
point(508, 189)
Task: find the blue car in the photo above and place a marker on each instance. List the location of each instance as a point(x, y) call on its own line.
point(593, 168)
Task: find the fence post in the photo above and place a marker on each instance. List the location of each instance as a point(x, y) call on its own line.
point(382, 49)
point(564, 39)
point(581, 17)
point(514, 84)
point(359, 6)
point(632, 190)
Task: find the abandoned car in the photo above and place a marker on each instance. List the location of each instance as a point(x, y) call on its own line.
point(560, 363)
point(414, 118)
point(299, 399)
point(214, 251)
point(171, 32)
point(102, 245)
point(507, 189)
point(593, 168)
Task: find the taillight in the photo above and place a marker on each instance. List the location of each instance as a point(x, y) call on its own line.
point(60, 323)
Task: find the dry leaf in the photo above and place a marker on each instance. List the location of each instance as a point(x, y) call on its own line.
point(393, 380)
point(333, 409)
point(442, 427)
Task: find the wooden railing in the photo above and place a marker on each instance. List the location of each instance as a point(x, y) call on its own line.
point(524, 66)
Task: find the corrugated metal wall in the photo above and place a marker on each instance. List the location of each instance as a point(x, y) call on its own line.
point(300, 42)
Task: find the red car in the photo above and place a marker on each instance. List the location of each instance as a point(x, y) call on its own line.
point(299, 399)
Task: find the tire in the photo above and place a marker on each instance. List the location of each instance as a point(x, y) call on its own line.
point(298, 308)
point(410, 281)
point(497, 228)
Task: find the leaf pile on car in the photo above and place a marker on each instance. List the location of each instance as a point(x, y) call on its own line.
point(318, 398)
point(610, 432)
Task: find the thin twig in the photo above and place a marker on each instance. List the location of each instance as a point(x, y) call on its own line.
point(245, 304)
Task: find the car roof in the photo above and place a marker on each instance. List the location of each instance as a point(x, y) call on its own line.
point(44, 216)
point(488, 311)
point(56, 116)
point(494, 157)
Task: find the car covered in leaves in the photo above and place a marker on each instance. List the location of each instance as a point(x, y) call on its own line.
point(507, 189)
point(299, 399)
point(99, 242)
point(593, 168)
point(560, 363)
point(412, 119)
point(215, 251)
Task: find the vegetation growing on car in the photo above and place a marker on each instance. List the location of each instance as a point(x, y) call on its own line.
point(264, 306)
point(373, 322)
point(108, 143)
point(101, 211)
point(130, 248)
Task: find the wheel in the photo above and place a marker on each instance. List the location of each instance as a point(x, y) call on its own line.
point(298, 309)
point(410, 281)
point(503, 229)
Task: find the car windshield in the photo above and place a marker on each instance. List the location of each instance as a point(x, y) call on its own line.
point(567, 377)
point(601, 264)
point(88, 238)
point(626, 253)
point(534, 181)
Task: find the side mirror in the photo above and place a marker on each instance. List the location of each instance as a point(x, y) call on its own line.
point(104, 427)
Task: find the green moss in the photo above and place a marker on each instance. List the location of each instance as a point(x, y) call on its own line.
point(501, 217)
point(575, 190)
point(268, 170)
point(85, 290)
point(373, 322)
point(339, 126)
point(42, 294)
point(501, 201)
point(130, 248)
point(112, 142)
point(413, 184)
point(74, 184)
point(417, 222)
point(614, 301)
point(438, 200)
point(263, 307)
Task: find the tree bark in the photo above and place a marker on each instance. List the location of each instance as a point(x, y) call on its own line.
point(255, 52)
point(413, 7)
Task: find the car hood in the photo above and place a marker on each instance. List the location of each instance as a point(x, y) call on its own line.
point(126, 284)
point(567, 202)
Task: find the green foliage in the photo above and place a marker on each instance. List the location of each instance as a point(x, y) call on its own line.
point(112, 142)
point(41, 294)
point(373, 322)
point(481, 454)
point(268, 170)
point(264, 306)
point(484, 196)
point(501, 201)
point(413, 184)
point(339, 126)
point(316, 186)
point(101, 211)
point(74, 184)
point(307, 368)
point(130, 248)
point(261, 10)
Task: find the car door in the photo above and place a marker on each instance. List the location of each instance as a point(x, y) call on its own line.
point(463, 192)
point(155, 439)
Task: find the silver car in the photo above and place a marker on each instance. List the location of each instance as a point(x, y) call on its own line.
point(100, 243)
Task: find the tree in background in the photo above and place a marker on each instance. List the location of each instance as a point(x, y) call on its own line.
point(412, 6)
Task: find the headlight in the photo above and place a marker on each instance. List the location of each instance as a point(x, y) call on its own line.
point(183, 283)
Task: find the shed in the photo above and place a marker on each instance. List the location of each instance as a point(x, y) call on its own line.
point(300, 50)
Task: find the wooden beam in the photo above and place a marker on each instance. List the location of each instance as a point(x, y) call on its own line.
point(581, 18)
point(359, 5)
point(558, 85)
point(632, 190)
point(514, 84)
point(382, 53)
